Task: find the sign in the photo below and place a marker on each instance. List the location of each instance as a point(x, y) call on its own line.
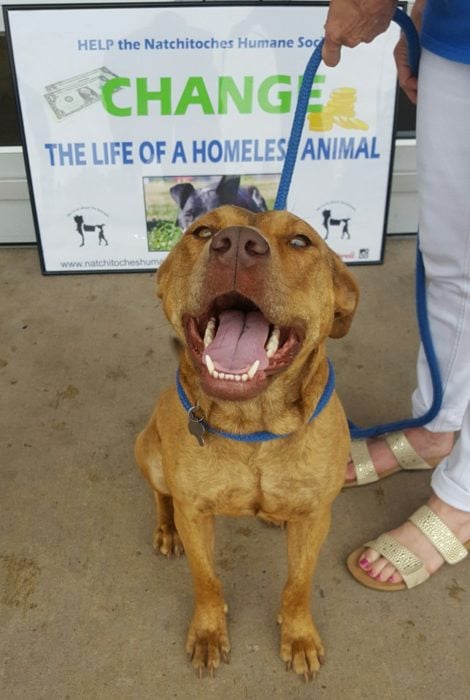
point(137, 119)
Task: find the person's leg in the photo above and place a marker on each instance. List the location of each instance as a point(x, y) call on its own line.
point(443, 179)
point(451, 481)
point(443, 169)
point(443, 149)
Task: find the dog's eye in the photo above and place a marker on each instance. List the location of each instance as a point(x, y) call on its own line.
point(300, 241)
point(202, 232)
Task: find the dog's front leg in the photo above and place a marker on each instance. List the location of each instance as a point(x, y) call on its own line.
point(207, 642)
point(301, 646)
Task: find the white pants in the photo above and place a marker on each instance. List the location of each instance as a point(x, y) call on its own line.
point(443, 152)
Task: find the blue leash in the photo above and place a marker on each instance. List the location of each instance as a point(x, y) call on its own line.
point(408, 28)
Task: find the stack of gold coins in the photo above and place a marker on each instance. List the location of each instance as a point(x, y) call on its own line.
point(342, 102)
point(340, 110)
point(351, 123)
point(321, 121)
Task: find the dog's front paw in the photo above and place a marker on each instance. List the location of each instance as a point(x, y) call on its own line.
point(207, 643)
point(167, 541)
point(301, 649)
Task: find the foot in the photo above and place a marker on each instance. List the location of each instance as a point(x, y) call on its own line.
point(207, 643)
point(166, 541)
point(301, 647)
point(457, 520)
point(427, 444)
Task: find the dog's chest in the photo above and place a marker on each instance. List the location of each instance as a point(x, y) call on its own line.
point(261, 484)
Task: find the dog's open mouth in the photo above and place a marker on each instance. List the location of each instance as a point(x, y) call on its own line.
point(237, 348)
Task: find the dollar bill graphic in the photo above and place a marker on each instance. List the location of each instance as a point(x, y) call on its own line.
point(74, 94)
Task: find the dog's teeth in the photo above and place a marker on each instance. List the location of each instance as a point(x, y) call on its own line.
point(209, 364)
point(231, 377)
point(275, 334)
point(271, 349)
point(273, 342)
point(209, 334)
point(253, 369)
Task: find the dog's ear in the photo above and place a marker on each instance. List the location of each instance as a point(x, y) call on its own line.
point(257, 197)
point(228, 187)
point(346, 292)
point(181, 192)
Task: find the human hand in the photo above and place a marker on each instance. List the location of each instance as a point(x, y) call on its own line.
point(408, 82)
point(351, 22)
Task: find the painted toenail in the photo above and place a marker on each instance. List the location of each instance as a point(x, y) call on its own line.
point(364, 563)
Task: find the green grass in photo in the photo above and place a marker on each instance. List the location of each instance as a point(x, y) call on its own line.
point(162, 235)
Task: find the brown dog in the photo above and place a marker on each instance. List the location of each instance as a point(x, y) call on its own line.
point(253, 297)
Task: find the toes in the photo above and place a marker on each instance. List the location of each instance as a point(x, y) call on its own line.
point(302, 657)
point(389, 574)
point(350, 472)
point(166, 541)
point(207, 653)
point(302, 653)
point(207, 647)
point(368, 558)
point(377, 567)
point(305, 661)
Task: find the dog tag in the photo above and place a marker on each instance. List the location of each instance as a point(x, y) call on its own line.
point(195, 426)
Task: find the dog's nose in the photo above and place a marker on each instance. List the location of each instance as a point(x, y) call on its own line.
point(242, 244)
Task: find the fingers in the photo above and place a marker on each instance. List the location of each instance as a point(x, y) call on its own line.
point(410, 88)
point(350, 22)
point(408, 82)
point(331, 52)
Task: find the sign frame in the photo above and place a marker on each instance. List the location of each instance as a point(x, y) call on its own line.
point(91, 223)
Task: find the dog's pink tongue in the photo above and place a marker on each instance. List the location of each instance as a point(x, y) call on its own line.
point(239, 342)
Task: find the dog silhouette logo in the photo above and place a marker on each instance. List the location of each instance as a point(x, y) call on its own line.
point(83, 228)
point(336, 219)
point(329, 221)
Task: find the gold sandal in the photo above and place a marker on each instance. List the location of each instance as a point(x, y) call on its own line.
point(410, 567)
point(408, 459)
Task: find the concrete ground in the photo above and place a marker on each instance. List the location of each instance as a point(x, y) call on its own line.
point(86, 609)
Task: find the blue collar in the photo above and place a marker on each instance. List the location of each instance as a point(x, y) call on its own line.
point(262, 435)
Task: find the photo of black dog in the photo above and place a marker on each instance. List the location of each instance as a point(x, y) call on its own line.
point(193, 202)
